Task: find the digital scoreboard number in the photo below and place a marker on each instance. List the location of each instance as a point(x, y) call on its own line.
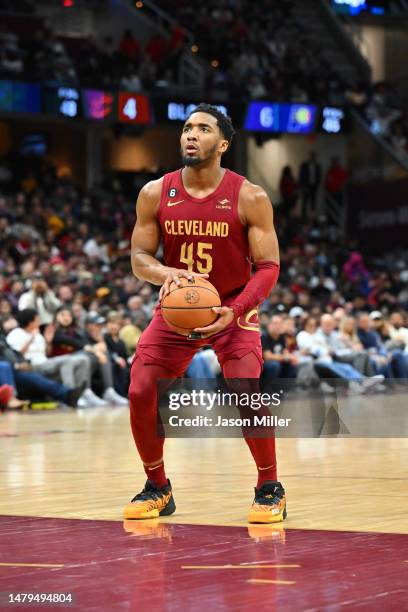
point(134, 108)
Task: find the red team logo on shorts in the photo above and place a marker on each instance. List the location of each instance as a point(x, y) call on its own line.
point(192, 297)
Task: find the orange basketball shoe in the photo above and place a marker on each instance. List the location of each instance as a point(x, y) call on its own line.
point(269, 504)
point(152, 502)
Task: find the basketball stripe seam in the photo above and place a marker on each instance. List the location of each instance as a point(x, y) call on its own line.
point(187, 307)
point(193, 287)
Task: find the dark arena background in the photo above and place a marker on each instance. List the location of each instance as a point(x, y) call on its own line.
point(93, 98)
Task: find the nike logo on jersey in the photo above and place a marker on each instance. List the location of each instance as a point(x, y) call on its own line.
point(174, 203)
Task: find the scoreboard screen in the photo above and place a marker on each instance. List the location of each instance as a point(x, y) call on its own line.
point(284, 118)
point(134, 108)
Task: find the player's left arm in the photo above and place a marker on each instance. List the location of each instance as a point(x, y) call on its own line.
point(256, 213)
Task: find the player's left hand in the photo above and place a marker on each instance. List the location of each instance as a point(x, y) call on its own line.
point(226, 316)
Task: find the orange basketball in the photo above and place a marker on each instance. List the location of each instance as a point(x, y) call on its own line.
point(189, 305)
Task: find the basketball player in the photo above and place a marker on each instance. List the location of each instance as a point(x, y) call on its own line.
point(212, 223)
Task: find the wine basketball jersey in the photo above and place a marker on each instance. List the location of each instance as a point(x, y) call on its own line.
point(206, 235)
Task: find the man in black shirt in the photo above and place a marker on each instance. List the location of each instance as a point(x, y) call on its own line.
point(278, 361)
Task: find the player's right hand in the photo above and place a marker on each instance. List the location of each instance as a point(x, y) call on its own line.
point(174, 276)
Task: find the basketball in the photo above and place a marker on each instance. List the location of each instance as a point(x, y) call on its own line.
point(189, 305)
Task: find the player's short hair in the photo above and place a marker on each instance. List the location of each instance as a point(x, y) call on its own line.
point(223, 121)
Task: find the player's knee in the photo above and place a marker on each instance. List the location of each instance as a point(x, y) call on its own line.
point(141, 395)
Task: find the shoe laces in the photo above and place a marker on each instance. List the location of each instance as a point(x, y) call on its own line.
point(269, 494)
point(150, 492)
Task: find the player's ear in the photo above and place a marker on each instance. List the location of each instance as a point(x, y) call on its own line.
point(224, 144)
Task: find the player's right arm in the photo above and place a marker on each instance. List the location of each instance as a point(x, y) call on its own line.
point(146, 239)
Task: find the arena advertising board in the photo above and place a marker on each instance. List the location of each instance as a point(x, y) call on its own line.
point(139, 109)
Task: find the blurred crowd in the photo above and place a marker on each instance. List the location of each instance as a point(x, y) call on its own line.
point(30, 50)
point(387, 113)
point(258, 50)
point(249, 51)
point(71, 311)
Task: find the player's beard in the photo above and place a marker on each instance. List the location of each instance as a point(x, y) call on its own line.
point(196, 161)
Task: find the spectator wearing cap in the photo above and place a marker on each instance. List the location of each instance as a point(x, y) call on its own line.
point(40, 298)
point(384, 362)
point(296, 313)
point(93, 336)
point(118, 353)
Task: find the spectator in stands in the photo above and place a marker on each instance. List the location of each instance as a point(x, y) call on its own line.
point(315, 344)
point(310, 176)
point(394, 346)
point(130, 81)
point(288, 188)
point(356, 272)
point(131, 331)
point(384, 362)
point(93, 335)
point(279, 362)
point(118, 353)
point(136, 305)
point(335, 181)
point(70, 339)
point(29, 384)
point(156, 48)
point(341, 346)
point(129, 46)
point(73, 371)
point(398, 329)
point(40, 298)
point(354, 352)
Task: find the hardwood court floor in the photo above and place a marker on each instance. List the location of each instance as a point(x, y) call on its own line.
point(64, 478)
point(83, 465)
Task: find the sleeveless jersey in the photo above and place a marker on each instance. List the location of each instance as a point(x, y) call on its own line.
point(206, 235)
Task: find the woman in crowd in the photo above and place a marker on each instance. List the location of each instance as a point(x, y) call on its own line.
point(357, 356)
